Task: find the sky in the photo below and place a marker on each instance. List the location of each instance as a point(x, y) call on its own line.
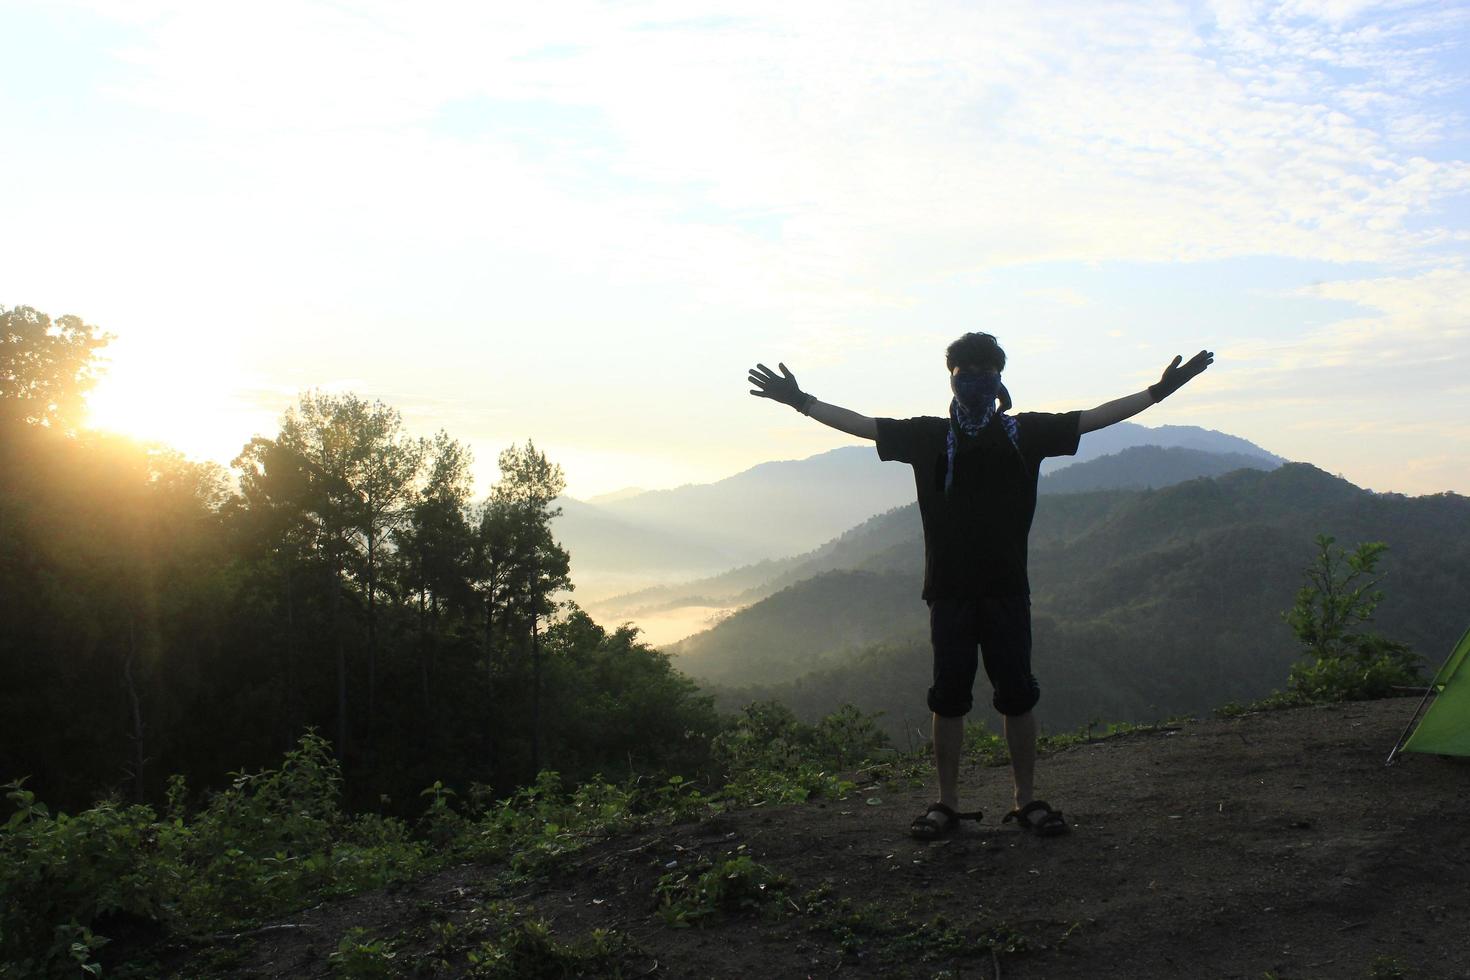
point(580, 223)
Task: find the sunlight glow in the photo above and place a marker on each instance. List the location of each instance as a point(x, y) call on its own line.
point(173, 396)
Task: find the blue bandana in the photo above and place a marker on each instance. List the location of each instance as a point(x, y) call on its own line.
point(977, 392)
point(966, 423)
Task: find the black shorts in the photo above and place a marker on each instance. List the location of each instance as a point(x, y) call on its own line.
point(1001, 628)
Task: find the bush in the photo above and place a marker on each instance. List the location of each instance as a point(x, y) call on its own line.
point(736, 884)
point(1343, 662)
point(59, 874)
point(769, 756)
point(270, 842)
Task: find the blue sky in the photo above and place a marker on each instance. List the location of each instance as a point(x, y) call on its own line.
point(580, 224)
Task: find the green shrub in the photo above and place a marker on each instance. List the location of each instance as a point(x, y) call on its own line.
point(734, 885)
point(541, 823)
point(1344, 662)
point(59, 874)
point(270, 842)
point(277, 837)
point(502, 942)
point(769, 756)
point(362, 958)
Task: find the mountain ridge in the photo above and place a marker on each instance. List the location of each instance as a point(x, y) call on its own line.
point(1127, 587)
point(780, 509)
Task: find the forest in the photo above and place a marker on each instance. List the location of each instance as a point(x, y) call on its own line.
point(161, 618)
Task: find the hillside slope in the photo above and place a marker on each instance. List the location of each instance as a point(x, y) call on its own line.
point(880, 542)
point(1145, 604)
point(1267, 845)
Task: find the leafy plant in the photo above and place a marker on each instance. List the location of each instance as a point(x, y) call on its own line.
point(361, 958)
point(60, 873)
point(736, 884)
point(769, 756)
point(507, 944)
point(1344, 662)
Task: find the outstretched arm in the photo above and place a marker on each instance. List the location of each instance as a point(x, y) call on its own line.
point(1128, 406)
point(783, 388)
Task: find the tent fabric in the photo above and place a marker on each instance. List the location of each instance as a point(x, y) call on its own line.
point(1445, 727)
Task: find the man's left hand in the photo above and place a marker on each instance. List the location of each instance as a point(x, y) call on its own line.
point(1175, 376)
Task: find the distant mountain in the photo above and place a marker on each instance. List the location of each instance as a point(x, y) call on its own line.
point(776, 509)
point(603, 544)
point(800, 628)
point(882, 544)
point(1125, 435)
point(783, 509)
point(613, 495)
point(769, 512)
point(1146, 603)
point(1147, 467)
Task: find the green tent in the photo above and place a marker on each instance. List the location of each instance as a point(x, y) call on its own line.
point(1445, 727)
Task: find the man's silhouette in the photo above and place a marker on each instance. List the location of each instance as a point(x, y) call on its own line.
point(975, 473)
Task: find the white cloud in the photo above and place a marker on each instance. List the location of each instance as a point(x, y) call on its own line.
point(887, 146)
point(665, 187)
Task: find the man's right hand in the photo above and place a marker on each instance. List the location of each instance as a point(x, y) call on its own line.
point(779, 387)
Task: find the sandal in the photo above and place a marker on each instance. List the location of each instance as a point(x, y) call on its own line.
point(925, 827)
point(1048, 824)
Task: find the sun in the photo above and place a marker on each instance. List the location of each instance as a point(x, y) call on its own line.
point(180, 397)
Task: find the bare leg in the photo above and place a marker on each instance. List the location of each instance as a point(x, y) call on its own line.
point(949, 735)
point(1021, 740)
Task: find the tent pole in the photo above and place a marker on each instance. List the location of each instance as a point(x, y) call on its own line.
point(1429, 692)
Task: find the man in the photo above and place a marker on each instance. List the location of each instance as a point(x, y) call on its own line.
point(975, 473)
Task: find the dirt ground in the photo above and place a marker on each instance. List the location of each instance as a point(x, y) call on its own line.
point(1270, 845)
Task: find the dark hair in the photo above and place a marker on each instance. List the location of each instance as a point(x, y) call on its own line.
point(975, 350)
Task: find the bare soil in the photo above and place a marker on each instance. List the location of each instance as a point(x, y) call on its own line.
point(1269, 845)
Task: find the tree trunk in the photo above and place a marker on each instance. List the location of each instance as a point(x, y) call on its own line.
point(139, 758)
point(424, 646)
point(342, 727)
point(372, 573)
point(487, 645)
point(535, 691)
point(293, 695)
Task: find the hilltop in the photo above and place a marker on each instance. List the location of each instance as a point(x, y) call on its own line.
point(1269, 844)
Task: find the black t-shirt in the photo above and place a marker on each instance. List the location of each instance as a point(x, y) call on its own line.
point(975, 536)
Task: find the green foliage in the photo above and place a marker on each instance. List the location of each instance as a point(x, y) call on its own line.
point(275, 837)
point(1344, 662)
point(848, 737)
point(360, 958)
point(769, 756)
point(270, 842)
point(46, 367)
point(540, 824)
point(517, 946)
point(898, 937)
point(681, 800)
point(58, 874)
point(1275, 701)
point(734, 885)
point(280, 838)
point(983, 745)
